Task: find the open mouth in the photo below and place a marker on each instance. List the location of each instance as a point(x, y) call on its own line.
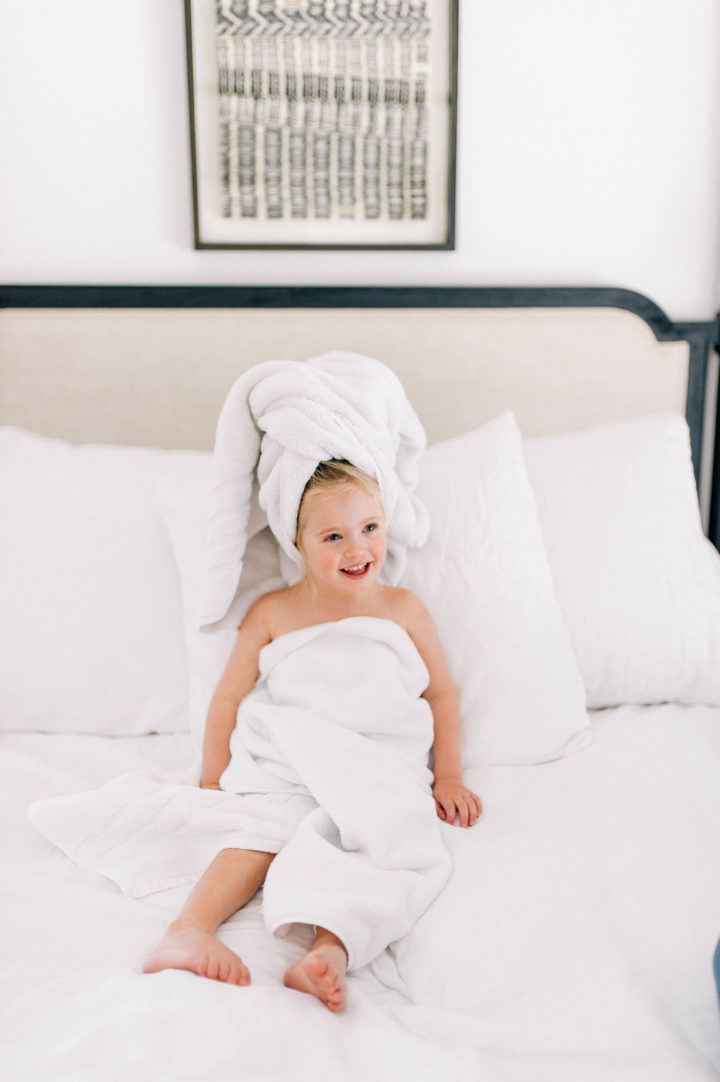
point(356, 572)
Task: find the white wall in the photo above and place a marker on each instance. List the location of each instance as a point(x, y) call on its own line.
point(589, 152)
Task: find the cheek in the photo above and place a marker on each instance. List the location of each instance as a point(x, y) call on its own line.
point(327, 559)
point(380, 547)
point(321, 559)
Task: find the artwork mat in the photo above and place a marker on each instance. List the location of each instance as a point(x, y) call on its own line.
point(213, 230)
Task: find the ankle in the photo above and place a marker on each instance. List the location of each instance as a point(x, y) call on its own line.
point(325, 938)
point(182, 925)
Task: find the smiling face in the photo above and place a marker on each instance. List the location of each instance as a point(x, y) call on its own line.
point(342, 539)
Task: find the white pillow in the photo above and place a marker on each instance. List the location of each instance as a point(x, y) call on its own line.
point(485, 578)
point(91, 617)
point(184, 497)
point(637, 581)
point(483, 574)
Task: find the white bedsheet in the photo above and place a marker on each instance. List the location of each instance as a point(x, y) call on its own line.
point(573, 942)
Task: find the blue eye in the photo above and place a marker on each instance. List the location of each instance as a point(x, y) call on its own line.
point(371, 526)
point(333, 537)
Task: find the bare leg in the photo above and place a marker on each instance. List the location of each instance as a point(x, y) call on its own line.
point(190, 942)
point(322, 971)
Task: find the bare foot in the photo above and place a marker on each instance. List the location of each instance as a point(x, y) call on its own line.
point(322, 974)
point(198, 952)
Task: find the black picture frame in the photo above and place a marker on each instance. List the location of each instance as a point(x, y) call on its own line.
point(323, 124)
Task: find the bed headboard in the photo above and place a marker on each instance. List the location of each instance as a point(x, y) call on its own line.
point(151, 365)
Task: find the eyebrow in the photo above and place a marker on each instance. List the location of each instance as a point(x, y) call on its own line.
point(338, 529)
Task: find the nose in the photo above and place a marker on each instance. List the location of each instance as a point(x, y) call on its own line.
point(353, 547)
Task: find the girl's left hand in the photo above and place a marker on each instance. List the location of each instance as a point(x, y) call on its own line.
point(453, 798)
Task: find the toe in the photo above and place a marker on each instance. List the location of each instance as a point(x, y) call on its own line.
point(240, 974)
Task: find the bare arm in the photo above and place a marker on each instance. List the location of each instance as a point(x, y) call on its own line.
point(451, 795)
point(237, 680)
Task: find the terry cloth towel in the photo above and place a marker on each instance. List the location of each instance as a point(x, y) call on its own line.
point(366, 855)
point(280, 419)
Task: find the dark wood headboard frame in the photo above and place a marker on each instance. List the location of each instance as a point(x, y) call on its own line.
point(702, 337)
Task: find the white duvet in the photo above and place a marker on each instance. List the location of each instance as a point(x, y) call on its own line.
point(572, 943)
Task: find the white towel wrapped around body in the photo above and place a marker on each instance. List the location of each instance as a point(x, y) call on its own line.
point(337, 732)
point(280, 419)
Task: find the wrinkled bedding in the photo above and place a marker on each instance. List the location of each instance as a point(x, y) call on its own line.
point(574, 939)
point(363, 857)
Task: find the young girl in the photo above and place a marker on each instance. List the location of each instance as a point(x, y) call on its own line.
point(341, 538)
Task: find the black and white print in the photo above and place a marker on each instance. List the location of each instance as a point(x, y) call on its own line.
point(323, 117)
point(322, 108)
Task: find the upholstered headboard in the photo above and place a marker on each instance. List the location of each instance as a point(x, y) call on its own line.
point(152, 365)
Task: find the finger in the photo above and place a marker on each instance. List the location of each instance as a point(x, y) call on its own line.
point(474, 809)
point(439, 809)
point(471, 814)
point(463, 811)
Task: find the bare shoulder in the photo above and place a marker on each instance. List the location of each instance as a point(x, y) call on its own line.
point(280, 611)
point(264, 616)
point(413, 615)
point(254, 633)
point(406, 609)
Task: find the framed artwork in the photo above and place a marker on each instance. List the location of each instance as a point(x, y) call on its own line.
point(323, 123)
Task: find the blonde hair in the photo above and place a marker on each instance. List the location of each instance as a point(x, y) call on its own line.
point(334, 475)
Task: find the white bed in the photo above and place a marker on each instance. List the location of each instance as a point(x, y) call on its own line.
point(567, 568)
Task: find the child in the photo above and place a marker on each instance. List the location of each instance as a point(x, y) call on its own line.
point(341, 538)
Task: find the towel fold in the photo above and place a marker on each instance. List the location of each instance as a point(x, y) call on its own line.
point(282, 418)
point(329, 769)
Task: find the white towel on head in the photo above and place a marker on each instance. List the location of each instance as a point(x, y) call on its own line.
point(280, 419)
